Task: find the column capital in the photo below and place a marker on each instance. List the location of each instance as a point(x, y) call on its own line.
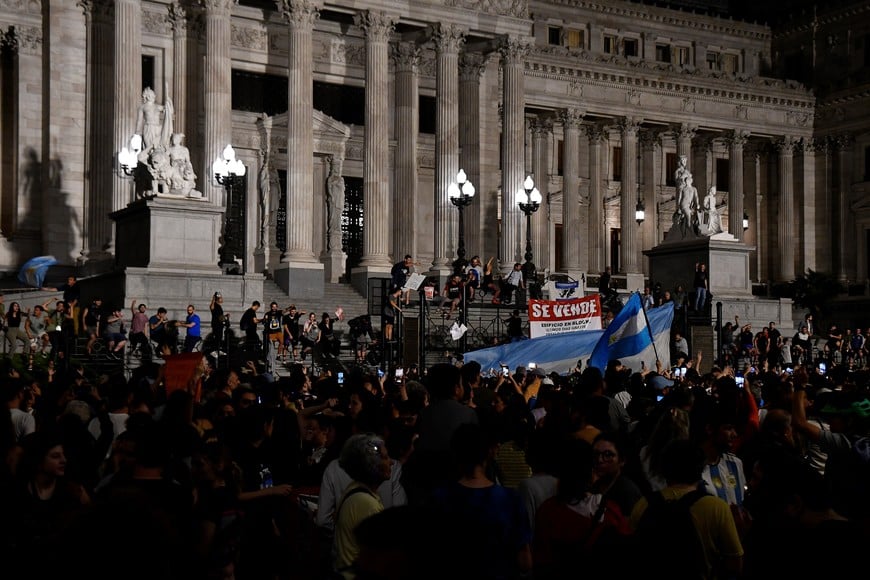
point(650, 138)
point(629, 125)
point(180, 18)
point(448, 38)
point(842, 142)
point(298, 13)
point(514, 49)
point(596, 132)
point(686, 131)
point(572, 117)
point(377, 25)
point(97, 9)
point(220, 7)
point(737, 138)
point(471, 65)
point(808, 146)
point(9, 40)
point(785, 144)
point(406, 55)
point(540, 127)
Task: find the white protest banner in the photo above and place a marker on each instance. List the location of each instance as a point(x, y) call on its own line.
point(548, 317)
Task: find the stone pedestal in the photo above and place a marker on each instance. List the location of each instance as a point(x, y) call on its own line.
point(673, 262)
point(300, 279)
point(359, 277)
point(167, 256)
point(334, 262)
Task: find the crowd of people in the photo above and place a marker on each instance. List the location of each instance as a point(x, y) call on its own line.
point(428, 473)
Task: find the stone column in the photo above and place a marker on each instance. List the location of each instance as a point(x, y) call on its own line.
point(542, 130)
point(179, 20)
point(629, 250)
point(685, 134)
point(98, 227)
point(376, 180)
point(786, 229)
point(299, 258)
point(407, 58)
point(844, 238)
point(649, 229)
point(807, 181)
point(513, 53)
point(471, 67)
point(217, 85)
point(572, 236)
point(127, 85)
point(597, 244)
point(736, 141)
point(448, 40)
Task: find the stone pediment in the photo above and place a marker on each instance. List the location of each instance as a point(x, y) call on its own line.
point(325, 127)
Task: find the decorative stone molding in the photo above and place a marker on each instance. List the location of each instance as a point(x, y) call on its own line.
point(629, 125)
point(342, 52)
point(798, 118)
point(686, 131)
point(572, 117)
point(575, 89)
point(250, 38)
point(223, 6)
point(515, 8)
point(28, 39)
point(658, 17)
point(737, 138)
point(97, 9)
point(156, 22)
point(8, 41)
point(650, 138)
point(179, 18)
point(514, 49)
point(21, 6)
point(785, 144)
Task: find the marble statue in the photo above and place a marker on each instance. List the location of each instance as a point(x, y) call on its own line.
point(183, 176)
point(154, 123)
point(687, 205)
point(335, 204)
point(712, 219)
point(264, 187)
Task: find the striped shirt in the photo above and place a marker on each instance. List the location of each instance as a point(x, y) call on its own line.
point(726, 479)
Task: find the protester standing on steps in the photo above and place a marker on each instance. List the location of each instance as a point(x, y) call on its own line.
point(701, 285)
point(218, 319)
point(192, 324)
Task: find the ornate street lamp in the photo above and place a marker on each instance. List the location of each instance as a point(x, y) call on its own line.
point(128, 159)
point(639, 212)
point(529, 201)
point(745, 221)
point(461, 193)
point(226, 169)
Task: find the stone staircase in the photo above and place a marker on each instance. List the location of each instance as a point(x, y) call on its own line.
point(334, 295)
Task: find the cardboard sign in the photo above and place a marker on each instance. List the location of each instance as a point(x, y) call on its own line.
point(548, 317)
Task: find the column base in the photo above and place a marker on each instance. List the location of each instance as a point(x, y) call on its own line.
point(334, 263)
point(300, 279)
point(359, 277)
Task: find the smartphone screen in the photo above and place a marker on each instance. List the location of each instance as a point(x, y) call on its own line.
point(823, 368)
point(683, 372)
point(340, 378)
point(532, 365)
point(505, 371)
point(380, 373)
point(400, 372)
point(739, 380)
point(659, 398)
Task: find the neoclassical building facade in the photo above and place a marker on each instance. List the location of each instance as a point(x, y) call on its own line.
point(353, 119)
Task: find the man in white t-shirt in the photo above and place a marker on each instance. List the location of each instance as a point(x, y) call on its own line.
point(14, 395)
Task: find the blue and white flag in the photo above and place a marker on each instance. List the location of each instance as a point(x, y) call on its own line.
point(562, 352)
point(33, 271)
point(632, 341)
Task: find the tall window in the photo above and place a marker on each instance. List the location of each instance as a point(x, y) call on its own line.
point(554, 36)
point(867, 164)
point(663, 53)
point(575, 39)
point(353, 221)
point(8, 115)
point(630, 47)
point(427, 115)
point(259, 92)
point(713, 60)
point(681, 55)
point(560, 157)
point(729, 63)
point(723, 170)
point(610, 45)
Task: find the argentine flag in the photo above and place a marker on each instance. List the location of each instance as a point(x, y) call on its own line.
point(33, 271)
point(631, 340)
point(561, 352)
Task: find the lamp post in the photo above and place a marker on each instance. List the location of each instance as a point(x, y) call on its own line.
point(226, 169)
point(745, 221)
point(128, 159)
point(461, 193)
point(529, 201)
point(639, 212)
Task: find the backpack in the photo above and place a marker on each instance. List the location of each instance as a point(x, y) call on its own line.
point(666, 541)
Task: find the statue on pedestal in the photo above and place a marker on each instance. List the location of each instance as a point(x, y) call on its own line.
point(164, 163)
point(334, 204)
point(712, 219)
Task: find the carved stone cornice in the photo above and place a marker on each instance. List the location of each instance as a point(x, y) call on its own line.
point(448, 38)
point(298, 13)
point(572, 117)
point(406, 56)
point(377, 25)
point(471, 65)
point(515, 8)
